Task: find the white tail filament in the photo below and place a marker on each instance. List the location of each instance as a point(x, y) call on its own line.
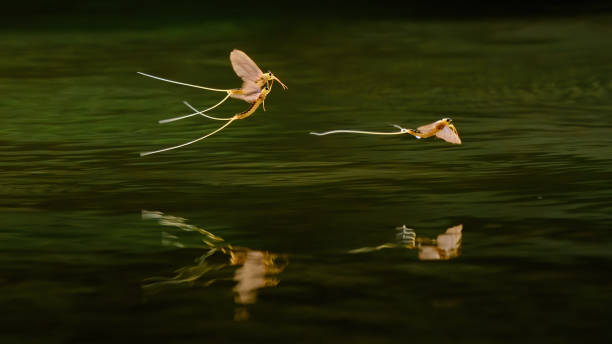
point(190, 142)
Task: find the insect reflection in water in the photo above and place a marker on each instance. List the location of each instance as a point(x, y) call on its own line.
point(445, 246)
point(252, 269)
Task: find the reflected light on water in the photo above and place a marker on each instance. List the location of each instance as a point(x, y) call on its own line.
point(445, 246)
point(255, 269)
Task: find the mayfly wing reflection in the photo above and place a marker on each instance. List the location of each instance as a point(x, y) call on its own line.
point(449, 134)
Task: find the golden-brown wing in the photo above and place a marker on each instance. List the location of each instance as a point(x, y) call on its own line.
point(449, 134)
point(428, 127)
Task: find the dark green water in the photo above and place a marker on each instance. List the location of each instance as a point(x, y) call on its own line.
point(531, 184)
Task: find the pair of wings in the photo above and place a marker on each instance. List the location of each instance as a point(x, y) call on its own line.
point(448, 133)
point(248, 71)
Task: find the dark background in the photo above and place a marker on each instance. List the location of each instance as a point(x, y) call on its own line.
point(107, 13)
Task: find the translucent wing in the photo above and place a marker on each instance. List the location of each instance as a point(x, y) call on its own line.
point(249, 92)
point(428, 127)
point(244, 67)
point(449, 134)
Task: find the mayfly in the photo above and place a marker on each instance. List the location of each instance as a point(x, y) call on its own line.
point(253, 80)
point(443, 129)
point(254, 105)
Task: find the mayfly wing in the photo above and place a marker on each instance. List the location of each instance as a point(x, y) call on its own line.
point(249, 92)
point(244, 67)
point(456, 134)
point(428, 127)
point(449, 134)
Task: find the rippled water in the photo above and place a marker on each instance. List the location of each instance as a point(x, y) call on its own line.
point(265, 232)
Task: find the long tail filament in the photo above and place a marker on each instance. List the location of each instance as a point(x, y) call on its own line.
point(402, 131)
point(182, 83)
point(193, 141)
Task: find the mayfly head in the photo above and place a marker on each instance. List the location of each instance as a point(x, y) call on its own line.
point(270, 77)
